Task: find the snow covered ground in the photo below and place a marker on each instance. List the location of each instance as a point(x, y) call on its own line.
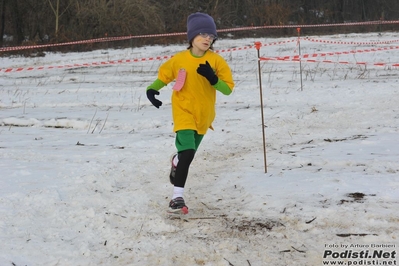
point(84, 160)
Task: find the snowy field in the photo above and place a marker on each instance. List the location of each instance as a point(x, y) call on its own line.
point(84, 160)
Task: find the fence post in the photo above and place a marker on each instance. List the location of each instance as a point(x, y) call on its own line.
point(300, 59)
point(257, 46)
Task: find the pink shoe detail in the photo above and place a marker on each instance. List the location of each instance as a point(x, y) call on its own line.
point(184, 210)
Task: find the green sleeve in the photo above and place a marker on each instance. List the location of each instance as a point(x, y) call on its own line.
point(222, 87)
point(157, 85)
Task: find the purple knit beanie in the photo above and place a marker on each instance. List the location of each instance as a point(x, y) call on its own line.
point(200, 23)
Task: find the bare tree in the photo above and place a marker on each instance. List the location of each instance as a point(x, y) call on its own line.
point(17, 21)
point(56, 11)
point(68, 20)
point(2, 22)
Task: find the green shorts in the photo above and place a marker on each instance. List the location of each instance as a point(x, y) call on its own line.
point(187, 140)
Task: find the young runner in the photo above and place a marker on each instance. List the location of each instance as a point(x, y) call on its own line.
point(199, 73)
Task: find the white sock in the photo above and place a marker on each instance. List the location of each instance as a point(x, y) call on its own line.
point(178, 192)
point(175, 160)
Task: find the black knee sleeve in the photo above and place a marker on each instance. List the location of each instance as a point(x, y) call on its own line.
point(185, 159)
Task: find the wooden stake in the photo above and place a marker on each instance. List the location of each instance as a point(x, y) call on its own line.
point(258, 45)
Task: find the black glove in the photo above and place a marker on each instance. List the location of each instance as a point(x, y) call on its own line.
point(151, 96)
point(206, 71)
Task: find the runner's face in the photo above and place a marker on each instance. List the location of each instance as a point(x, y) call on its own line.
point(201, 44)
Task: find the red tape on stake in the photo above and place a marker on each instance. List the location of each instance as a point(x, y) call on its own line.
point(325, 61)
point(257, 45)
point(8, 70)
point(110, 39)
point(112, 62)
point(349, 43)
point(336, 53)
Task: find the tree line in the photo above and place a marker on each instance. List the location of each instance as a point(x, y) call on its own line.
point(52, 21)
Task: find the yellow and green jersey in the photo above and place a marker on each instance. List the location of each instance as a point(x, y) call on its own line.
point(193, 107)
